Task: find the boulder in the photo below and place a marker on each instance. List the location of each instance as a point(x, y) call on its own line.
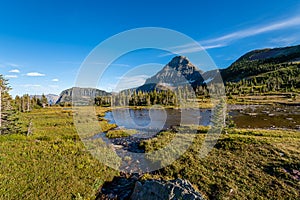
point(131, 188)
point(165, 190)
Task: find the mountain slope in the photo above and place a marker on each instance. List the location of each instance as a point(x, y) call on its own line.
point(82, 95)
point(179, 71)
point(257, 62)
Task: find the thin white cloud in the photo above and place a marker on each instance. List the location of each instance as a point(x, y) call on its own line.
point(195, 48)
point(31, 85)
point(13, 65)
point(225, 40)
point(11, 76)
point(284, 41)
point(278, 25)
point(14, 71)
point(130, 82)
point(34, 74)
point(55, 80)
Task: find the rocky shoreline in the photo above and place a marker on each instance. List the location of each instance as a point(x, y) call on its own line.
point(131, 187)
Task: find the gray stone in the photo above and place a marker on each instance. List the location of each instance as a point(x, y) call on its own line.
point(178, 72)
point(165, 190)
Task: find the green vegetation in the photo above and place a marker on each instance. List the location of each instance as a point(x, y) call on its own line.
point(50, 163)
point(245, 164)
point(42, 155)
point(8, 115)
point(118, 133)
point(26, 103)
point(257, 77)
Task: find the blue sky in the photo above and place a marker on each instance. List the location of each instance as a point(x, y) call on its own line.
point(43, 43)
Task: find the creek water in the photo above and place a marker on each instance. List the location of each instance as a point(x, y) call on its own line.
point(148, 122)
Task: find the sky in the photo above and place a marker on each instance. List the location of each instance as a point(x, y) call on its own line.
point(43, 43)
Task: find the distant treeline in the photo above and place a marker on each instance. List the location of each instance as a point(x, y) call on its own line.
point(143, 98)
point(178, 96)
point(26, 103)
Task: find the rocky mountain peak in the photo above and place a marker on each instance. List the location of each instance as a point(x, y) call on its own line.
point(178, 60)
point(179, 71)
point(180, 63)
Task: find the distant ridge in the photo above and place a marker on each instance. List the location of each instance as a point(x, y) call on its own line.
point(83, 95)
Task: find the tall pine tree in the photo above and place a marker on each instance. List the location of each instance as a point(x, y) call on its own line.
point(8, 118)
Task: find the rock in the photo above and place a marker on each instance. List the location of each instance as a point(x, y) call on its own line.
point(117, 146)
point(129, 187)
point(120, 188)
point(178, 72)
point(82, 96)
point(158, 190)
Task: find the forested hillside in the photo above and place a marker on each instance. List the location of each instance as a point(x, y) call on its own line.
point(266, 70)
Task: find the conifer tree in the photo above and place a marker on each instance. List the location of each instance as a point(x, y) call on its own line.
point(8, 118)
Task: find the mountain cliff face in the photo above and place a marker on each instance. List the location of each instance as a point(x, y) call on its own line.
point(82, 95)
point(179, 71)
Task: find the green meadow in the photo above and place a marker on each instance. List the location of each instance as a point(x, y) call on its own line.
point(51, 162)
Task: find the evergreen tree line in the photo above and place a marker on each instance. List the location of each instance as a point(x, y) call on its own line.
point(26, 103)
point(144, 98)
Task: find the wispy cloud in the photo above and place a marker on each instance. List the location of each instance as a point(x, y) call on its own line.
point(256, 30)
point(14, 71)
point(31, 85)
point(34, 74)
point(55, 80)
point(13, 65)
point(130, 82)
point(191, 48)
point(94, 63)
point(11, 76)
point(226, 39)
point(285, 40)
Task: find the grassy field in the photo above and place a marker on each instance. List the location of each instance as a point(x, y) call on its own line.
point(245, 164)
point(52, 162)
